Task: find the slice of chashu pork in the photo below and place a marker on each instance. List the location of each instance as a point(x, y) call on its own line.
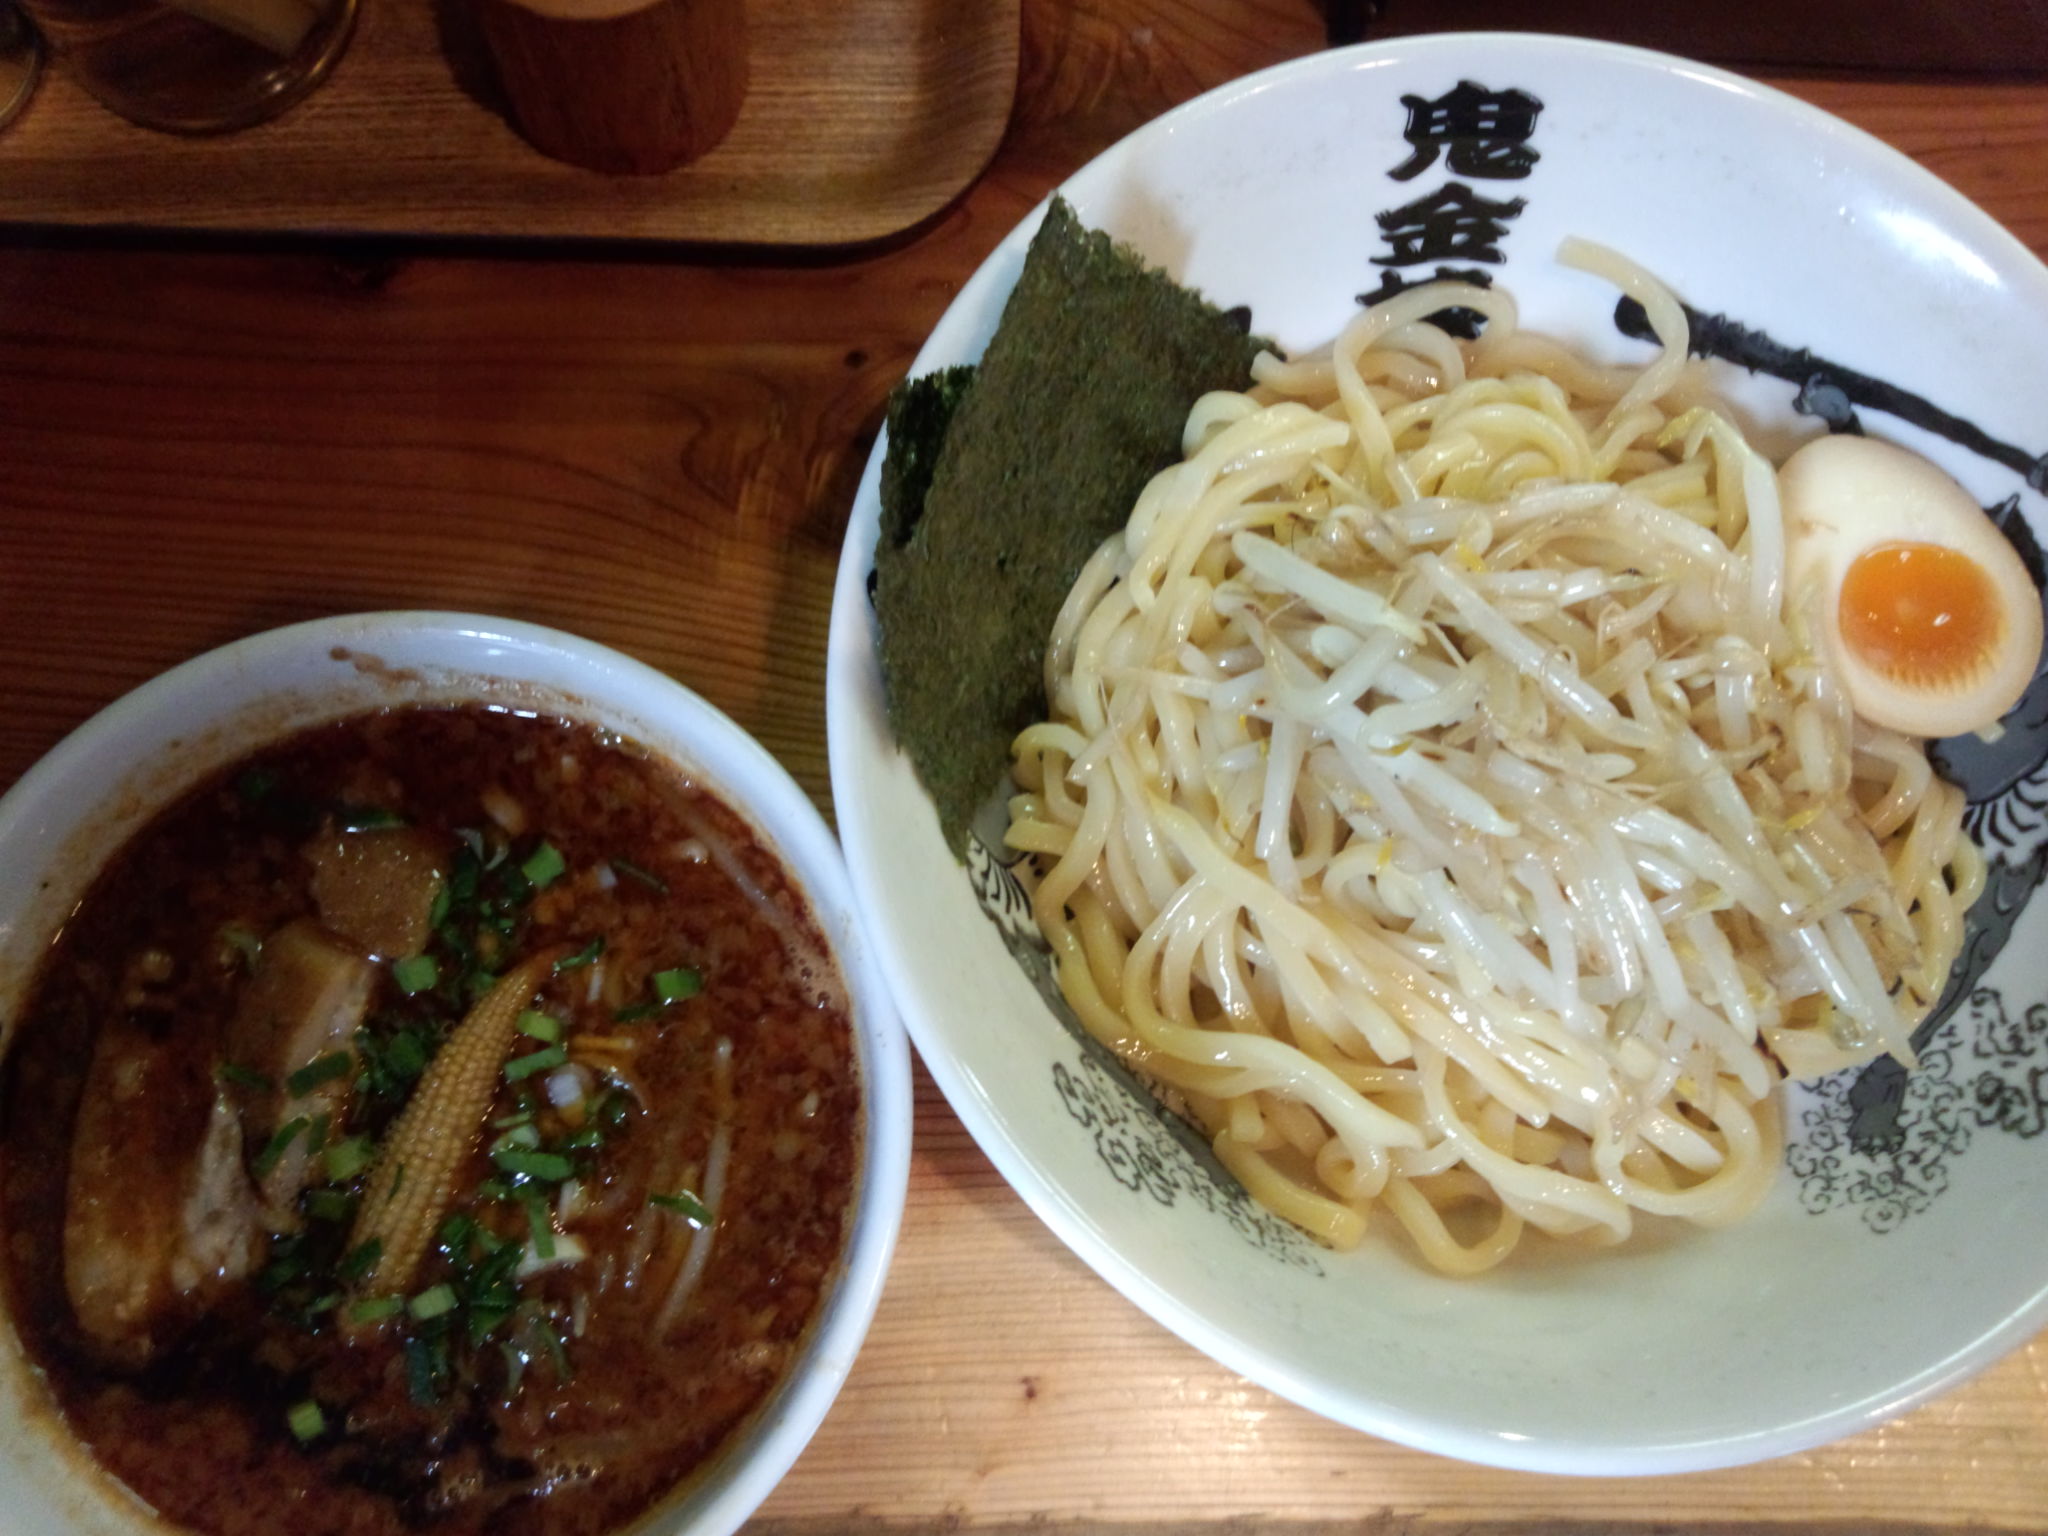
point(160, 1213)
point(171, 1199)
point(163, 1211)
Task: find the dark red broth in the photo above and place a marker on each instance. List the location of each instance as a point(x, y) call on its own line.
point(217, 1050)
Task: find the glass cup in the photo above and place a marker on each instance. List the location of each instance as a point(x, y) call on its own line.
point(21, 61)
point(196, 66)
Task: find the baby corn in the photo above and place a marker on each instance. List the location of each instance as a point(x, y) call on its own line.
point(413, 1180)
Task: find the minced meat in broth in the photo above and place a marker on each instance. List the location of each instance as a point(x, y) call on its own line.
point(627, 1227)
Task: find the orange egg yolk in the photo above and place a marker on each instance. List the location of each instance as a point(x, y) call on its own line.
point(1922, 614)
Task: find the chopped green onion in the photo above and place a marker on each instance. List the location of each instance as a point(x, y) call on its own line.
point(494, 1189)
point(636, 1013)
point(677, 985)
point(585, 1140)
point(494, 1285)
point(415, 974)
point(587, 955)
point(613, 1108)
point(538, 1061)
point(457, 1230)
point(243, 942)
point(375, 1309)
point(406, 1055)
point(359, 1260)
point(518, 1117)
point(544, 866)
point(433, 1303)
point(551, 1166)
point(330, 1204)
point(422, 1380)
point(526, 1134)
point(483, 1318)
point(540, 1226)
point(278, 1144)
point(686, 1205)
point(443, 902)
point(323, 1069)
point(306, 1420)
point(557, 1355)
point(281, 1271)
point(349, 1157)
point(542, 1026)
point(646, 877)
point(317, 1137)
point(242, 1077)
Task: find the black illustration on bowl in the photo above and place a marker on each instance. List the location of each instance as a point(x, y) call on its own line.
point(1880, 1136)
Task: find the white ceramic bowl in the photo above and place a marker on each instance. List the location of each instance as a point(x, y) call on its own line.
point(77, 806)
point(1871, 1279)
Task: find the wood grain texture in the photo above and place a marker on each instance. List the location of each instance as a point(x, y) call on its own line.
point(640, 454)
point(662, 456)
point(862, 118)
point(1005, 1386)
point(641, 92)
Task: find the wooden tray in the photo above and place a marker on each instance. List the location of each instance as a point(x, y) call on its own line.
point(863, 117)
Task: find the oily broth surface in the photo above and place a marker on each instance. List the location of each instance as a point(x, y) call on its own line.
point(200, 1432)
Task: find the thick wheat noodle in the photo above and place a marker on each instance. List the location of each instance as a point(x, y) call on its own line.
point(1443, 799)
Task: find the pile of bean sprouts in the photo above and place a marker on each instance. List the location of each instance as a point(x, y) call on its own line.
point(1443, 803)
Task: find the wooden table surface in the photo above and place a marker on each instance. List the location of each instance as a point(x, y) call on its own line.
point(659, 452)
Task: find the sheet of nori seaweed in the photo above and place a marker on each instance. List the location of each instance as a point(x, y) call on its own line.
point(920, 411)
point(1079, 400)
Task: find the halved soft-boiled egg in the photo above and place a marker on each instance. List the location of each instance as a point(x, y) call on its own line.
point(1927, 614)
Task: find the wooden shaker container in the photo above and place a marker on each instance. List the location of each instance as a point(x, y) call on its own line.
point(634, 86)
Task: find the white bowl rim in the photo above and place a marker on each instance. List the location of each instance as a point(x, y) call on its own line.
point(761, 790)
point(1052, 1203)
